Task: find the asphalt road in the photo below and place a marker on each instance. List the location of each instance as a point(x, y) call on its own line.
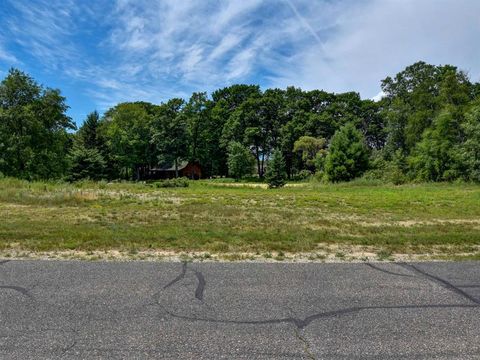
point(140, 310)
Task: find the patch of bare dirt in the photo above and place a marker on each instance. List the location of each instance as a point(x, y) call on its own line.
point(324, 253)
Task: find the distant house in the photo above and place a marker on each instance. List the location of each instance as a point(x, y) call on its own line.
point(189, 169)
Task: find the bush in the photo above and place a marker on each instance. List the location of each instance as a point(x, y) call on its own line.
point(389, 174)
point(172, 183)
point(320, 177)
point(393, 171)
point(302, 175)
point(320, 160)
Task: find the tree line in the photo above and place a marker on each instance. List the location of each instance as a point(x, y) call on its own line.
point(425, 128)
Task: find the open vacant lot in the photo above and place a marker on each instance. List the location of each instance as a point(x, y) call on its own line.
point(340, 221)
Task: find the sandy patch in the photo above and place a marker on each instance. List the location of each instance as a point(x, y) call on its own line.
point(330, 253)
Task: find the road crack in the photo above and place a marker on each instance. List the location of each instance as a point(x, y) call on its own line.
point(200, 278)
point(69, 347)
point(179, 277)
point(306, 344)
point(18, 289)
point(201, 285)
point(444, 283)
point(386, 271)
point(302, 323)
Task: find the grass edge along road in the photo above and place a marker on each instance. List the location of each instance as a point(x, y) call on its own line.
point(213, 220)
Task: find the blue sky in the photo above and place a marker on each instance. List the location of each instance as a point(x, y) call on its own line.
point(101, 52)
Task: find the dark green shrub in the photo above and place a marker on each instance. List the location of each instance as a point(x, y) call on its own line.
point(172, 183)
point(302, 175)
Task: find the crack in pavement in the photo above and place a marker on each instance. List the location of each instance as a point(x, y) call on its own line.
point(25, 292)
point(298, 336)
point(386, 271)
point(200, 278)
point(201, 285)
point(444, 283)
point(69, 347)
point(179, 277)
point(305, 342)
point(302, 323)
point(293, 320)
point(19, 289)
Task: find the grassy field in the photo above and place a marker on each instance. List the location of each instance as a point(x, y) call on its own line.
point(241, 221)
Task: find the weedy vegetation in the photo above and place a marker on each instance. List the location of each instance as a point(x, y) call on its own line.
point(213, 217)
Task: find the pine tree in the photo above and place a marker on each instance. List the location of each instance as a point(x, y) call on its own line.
point(88, 133)
point(276, 174)
point(86, 164)
point(348, 154)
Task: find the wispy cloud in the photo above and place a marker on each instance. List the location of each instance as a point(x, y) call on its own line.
point(155, 49)
point(184, 46)
point(7, 57)
point(304, 22)
point(44, 29)
point(376, 38)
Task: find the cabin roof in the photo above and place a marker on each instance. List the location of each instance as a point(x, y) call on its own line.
point(181, 165)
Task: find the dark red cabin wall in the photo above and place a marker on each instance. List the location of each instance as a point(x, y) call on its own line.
point(192, 168)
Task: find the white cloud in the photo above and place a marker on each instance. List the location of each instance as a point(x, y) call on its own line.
point(304, 22)
point(379, 96)
point(182, 46)
point(155, 49)
point(228, 43)
point(378, 38)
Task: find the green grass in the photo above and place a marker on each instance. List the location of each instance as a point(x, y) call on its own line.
point(214, 217)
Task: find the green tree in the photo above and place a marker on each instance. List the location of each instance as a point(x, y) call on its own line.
point(276, 175)
point(240, 160)
point(224, 103)
point(170, 133)
point(372, 123)
point(87, 155)
point(470, 149)
point(348, 155)
point(86, 163)
point(255, 124)
point(127, 130)
point(88, 132)
point(203, 141)
point(416, 95)
point(309, 147)
point(435, 158)
point(293, 113)
point(33, 128)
